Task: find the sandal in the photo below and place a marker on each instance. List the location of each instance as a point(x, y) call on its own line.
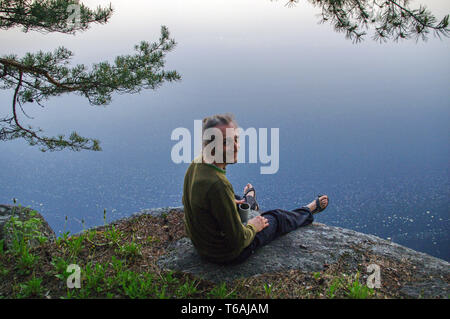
point(251, 189)
point(318, 207)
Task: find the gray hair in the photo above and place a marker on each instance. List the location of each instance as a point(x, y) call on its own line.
point(216, 120)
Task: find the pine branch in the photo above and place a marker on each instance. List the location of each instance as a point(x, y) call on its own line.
point(391, 19)
point(37, 77)
point(75, 142)
point(50, 15)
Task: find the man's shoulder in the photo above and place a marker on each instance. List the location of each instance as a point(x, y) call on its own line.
point(220, 184)
point(201, 174)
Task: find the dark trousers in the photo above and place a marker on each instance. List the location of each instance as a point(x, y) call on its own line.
point(280, 222)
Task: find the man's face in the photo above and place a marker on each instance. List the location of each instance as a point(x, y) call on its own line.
point(230, 143)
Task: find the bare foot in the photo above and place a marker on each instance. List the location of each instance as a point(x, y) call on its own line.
point(248, 186)
point(323, 202)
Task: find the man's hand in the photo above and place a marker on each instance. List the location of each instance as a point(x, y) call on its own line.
point(259, 222)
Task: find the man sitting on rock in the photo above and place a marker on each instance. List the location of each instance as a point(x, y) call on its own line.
point(211, 213)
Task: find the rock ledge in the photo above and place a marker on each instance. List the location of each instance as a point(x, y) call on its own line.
point(314, 247)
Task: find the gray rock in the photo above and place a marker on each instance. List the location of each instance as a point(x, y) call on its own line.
point(310, 248)
point(24, 214)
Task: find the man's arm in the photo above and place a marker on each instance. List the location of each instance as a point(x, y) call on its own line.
point(223, 206)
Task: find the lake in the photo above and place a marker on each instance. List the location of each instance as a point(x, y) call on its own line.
point(367, 124)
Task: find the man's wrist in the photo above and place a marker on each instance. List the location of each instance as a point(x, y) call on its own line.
point(253, 227)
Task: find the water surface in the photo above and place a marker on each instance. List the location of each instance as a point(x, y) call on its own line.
point(366, 124)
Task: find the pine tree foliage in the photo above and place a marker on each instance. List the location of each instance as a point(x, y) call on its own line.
point(390, 19)
point(49, 15)
point(36, 77)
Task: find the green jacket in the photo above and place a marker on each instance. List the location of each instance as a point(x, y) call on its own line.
point(210, 214)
